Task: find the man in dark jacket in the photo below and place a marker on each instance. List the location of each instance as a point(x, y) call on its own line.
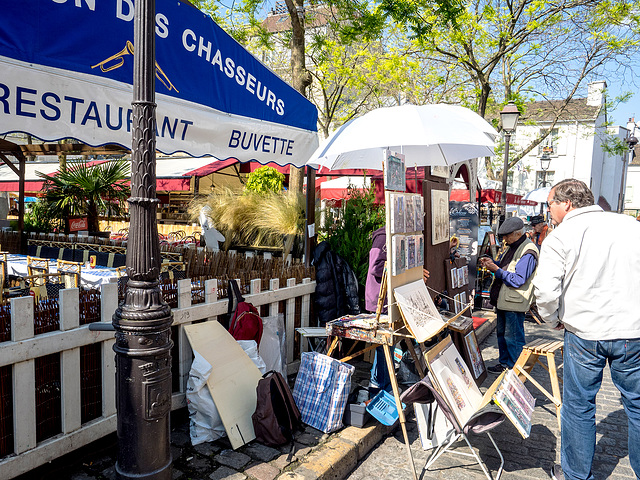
point(336, 285)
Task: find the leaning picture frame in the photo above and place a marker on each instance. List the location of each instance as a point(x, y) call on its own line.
point(418, 310)
point(454, 380)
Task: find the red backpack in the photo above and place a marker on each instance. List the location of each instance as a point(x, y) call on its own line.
point(245, 323)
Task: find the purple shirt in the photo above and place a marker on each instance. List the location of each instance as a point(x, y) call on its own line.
point(524, 268)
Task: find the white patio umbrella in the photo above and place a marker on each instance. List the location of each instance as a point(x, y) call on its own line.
point(539, 195)
point(426, 134)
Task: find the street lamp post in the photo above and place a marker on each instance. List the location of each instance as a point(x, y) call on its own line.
point(509, 118)
point(545, 162)
point(143, 321)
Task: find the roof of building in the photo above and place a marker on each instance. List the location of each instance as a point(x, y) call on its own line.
point(545, 111)
point(281, 22)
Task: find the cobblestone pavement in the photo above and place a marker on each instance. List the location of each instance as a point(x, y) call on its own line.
point(529, 458)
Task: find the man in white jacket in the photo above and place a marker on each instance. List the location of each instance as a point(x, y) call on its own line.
point(588, 280)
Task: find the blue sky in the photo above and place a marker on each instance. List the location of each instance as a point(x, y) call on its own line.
point(624, 111)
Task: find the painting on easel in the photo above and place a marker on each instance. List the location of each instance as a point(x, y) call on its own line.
point(418, 310)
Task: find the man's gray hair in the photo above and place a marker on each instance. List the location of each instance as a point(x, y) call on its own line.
point(573, 190)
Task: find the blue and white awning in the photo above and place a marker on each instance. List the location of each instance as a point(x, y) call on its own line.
point(214, 98)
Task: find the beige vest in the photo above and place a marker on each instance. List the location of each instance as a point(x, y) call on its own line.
point(517, 299)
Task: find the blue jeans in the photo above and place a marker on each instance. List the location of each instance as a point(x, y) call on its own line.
point(584, 361)
point(379, 373)
point(510, 332)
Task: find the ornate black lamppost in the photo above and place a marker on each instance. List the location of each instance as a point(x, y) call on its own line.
point(509, 118)
point(143, 321)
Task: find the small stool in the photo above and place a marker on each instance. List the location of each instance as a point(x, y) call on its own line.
point(530, 355)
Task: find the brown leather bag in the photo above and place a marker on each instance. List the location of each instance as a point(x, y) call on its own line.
point(276, 417)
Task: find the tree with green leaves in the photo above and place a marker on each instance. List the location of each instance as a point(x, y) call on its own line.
point(349, 230)
point(91, 190)
point(514, 49)
point(265, 180)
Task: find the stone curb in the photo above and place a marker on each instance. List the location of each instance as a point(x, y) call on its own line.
point(339, 456)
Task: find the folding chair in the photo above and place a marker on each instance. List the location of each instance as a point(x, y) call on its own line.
point(70, 273)
point(482, 421)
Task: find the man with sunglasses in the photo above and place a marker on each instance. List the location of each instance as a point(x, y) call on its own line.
point(589, 280)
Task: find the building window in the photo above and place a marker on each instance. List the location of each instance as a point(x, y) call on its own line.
point(510, 180)
point(542, 181)
point(550, 143)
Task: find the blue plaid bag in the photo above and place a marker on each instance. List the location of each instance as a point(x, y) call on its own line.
point(321, 390)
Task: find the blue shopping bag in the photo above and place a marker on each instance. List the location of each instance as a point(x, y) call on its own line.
point(321, 390)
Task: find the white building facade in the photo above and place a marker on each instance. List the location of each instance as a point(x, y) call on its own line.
point(573, 149)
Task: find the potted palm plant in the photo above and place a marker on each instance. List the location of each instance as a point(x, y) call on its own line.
point(86, 190)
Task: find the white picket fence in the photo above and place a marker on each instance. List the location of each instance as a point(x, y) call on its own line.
point(25, 347)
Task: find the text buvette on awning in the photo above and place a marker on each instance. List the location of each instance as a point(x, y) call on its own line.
point(214, 98)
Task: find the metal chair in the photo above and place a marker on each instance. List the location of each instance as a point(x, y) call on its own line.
point(37, 268)
point(173, 271)
point(70, 273)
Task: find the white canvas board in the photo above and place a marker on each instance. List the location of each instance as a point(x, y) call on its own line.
point(418, 310)
point(433, 426)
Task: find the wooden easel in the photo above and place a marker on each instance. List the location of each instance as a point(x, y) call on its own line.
point(530, 355)
point(386, 340)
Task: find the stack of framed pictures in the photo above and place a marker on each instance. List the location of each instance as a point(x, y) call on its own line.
point(457, 272)
point(450, 375)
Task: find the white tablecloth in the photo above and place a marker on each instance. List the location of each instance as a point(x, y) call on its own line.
point(89, 277)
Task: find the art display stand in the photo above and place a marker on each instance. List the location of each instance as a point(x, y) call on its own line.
point(401, 272)
point(530, 355)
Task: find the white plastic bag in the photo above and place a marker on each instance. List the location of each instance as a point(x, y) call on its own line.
point(272, 344)
point(205, 424)
point(250, 347)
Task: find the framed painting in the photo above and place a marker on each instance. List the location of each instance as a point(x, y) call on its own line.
point(418, 310)
point(439, 216)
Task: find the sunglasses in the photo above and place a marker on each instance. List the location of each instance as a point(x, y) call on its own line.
point(548, 204)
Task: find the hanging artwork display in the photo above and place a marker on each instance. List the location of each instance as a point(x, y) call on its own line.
point(399, 254)
point(439, 216)
point(418, 206)
point(420, 250)
point(410, 216)
point(394, 172)
point(397, 213)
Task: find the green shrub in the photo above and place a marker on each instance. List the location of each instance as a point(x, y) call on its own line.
point(349, 232)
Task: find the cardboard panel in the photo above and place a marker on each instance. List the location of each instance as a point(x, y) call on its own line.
point(233, 379)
